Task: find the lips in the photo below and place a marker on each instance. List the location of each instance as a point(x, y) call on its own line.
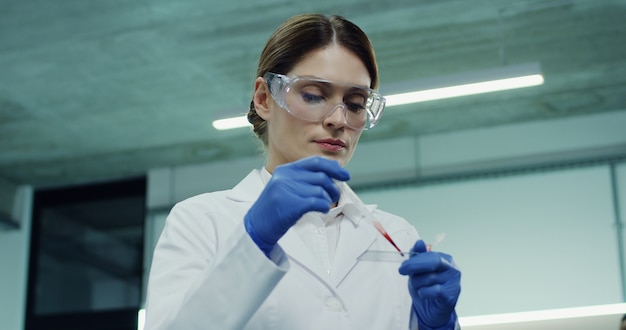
point(331, 144)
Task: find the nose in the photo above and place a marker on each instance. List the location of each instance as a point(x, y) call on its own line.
point(337, 119)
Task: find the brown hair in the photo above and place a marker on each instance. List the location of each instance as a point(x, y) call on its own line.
point(302, 34)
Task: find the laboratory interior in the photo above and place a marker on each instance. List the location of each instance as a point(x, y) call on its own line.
point(504, 131)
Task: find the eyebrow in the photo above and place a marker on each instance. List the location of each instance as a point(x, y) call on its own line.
point(352, 86)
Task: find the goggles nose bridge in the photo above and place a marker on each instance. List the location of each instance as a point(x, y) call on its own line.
point(333, 109)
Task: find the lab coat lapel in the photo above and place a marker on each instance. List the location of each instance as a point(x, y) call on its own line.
point(356, 237)
point(249, 189)
point(299, 252)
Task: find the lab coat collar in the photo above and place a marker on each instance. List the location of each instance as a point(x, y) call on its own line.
point(357, 234)
point(353, 208)
point(249, 189)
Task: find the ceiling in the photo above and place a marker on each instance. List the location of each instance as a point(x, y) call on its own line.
point(106, 89)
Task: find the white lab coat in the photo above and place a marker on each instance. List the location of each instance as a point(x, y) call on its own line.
point(208, 274)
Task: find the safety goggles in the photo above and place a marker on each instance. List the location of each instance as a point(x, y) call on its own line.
point(312, 99)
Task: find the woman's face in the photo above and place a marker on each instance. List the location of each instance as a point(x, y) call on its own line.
point(290, 138)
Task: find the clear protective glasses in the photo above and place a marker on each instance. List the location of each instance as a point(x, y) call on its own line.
point(311, 99)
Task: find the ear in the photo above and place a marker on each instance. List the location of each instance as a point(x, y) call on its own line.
point(262, 98)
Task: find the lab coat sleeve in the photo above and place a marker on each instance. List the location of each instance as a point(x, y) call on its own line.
point(198, 282)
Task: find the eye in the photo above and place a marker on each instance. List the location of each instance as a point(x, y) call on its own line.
point(355, 102)
point(354, 107)
point(309, 97)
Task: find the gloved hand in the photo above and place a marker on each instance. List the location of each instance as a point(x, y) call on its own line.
point(434, 285)
point(294, 189)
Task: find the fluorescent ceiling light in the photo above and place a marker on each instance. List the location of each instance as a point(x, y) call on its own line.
point(230, 123)
point(469, 83)
point(463, 90)
point(544, 315)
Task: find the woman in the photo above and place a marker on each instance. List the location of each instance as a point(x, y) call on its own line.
point(280, 250)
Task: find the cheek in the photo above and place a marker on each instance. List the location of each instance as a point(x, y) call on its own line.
point(352, 149)
point(284, 127)
point(355, 139)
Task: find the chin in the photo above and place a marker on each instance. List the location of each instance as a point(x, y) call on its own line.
point(340, 159)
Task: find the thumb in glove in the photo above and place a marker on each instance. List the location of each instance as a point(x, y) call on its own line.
point(434, 285)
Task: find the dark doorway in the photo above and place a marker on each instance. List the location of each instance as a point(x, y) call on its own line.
point(86, 257)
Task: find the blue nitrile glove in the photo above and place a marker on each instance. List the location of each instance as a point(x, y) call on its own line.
point(294, 189)
point(434, 285)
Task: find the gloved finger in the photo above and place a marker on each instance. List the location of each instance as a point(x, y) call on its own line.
point(419, 246)
point(448, 291)
point(315, 171)
point(299, 198)
point(291, 215)
point(328, 166)
point(302, 183)
point(315, 197)
point(323, 181)
point(428, 279)
point(426, 262)
point(436, 292)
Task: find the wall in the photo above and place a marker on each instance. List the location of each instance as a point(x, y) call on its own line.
point(619, 204)
point(527, 241)
point(14, 247)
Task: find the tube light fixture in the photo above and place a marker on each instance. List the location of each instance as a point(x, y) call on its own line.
point(230, 123)
point(469, 83)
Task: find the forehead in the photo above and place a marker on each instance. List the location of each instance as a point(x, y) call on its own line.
point(333, 63)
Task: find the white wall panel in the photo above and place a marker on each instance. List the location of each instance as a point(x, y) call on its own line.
point(543, 141)
point(14, 249)
point(620, 212)
point(385, 160)
point(195, 179)
point(524, 242)
point(155, 221)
